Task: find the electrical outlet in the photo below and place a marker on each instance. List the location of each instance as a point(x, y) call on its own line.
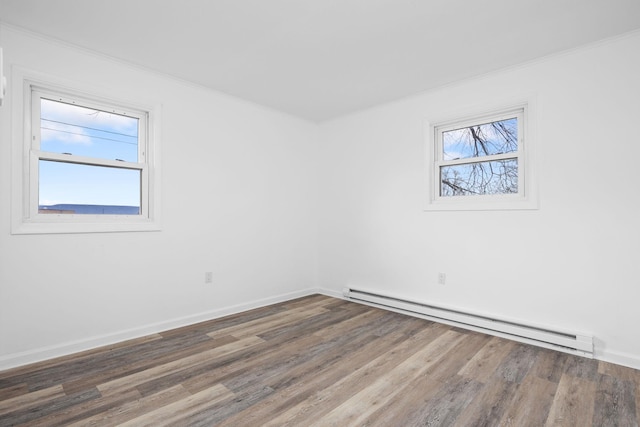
point(442, 278)
point(208, 277)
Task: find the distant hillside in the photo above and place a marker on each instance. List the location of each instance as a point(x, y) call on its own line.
point(89, 209)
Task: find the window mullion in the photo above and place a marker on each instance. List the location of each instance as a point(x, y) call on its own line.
point(469, 160)
point(522, 159)
point(33, 193)
point(142, 138)
point(91, 161)
point(31, 157)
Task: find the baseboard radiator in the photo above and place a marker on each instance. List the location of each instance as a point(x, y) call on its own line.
point(569, 342)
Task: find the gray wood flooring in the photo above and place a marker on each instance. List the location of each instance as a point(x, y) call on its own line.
point(320, 361)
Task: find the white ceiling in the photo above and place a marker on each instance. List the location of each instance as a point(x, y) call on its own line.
point(320, 59)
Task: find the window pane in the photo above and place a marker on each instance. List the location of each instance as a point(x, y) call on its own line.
point(481, 140)
point(84, 189)
point(497, 177)
point(82, 131)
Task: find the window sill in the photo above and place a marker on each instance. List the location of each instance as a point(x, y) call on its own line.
point(464, 204)
point(26, 227)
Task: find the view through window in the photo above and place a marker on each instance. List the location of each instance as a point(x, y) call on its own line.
point(89, 159)
point(483, 161)
point(480, 159)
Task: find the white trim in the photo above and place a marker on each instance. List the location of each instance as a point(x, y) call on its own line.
point(527, 197)
point(49, 352)
point(618, 358)
point(3, 79)
point(23, 220)
point(329, 293)
point(45, 353)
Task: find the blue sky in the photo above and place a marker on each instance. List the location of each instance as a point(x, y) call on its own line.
point(458, 143)
point(80, 131)
point(476, 176)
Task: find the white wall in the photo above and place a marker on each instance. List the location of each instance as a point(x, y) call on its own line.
point(574, 263)
point(238, 199)
point(241, 199)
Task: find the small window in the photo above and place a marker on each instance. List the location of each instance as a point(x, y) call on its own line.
point(91, 157)
point(481, 162)
point(88, 164)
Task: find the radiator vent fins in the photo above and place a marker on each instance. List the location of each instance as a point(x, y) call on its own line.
point(570, 342)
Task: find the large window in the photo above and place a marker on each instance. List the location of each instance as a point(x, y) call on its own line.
point(88, 163)
point(481, 162)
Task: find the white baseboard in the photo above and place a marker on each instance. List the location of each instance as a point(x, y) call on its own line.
point(45, 353)
point(328, 292)
point(618, 358)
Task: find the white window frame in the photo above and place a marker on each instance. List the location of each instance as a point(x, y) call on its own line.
point(30, 87)
point(525, 198)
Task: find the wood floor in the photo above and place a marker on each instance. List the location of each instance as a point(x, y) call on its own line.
point(320, 361)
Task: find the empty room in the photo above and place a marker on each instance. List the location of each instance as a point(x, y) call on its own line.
point(319, 212)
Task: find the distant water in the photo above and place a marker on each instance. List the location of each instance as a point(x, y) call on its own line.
point(91, 209)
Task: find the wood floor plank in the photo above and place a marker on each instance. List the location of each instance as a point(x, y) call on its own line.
point(573, 402)
point(312, 324)
point(403, 407)
point(224, 367)
point(305, 353)
point(318, 360)
point(118, 414)
point(279, 362)
point(213, 415)
point(483, 365)
point(621, 372)
point(120, 384)
point(221, 369)
point(84, 410)
point(447, 367)
point(50, 406)
point(310, 300)
point(530, 404)
point(298, 387)
point(13, 391)
point(264, 324)
point(406, 406)
point(120, 368)
point(615, 403)
point(226, 321)
point(49, 365)
point(517, 363)
point(325, 400)
point(353, 322)
point(64, 369)
point(173, 413)
point(340, 348)
point(30, 400)
point(447, 404)
point(488, 406)
point(549, 365)
point(358, 407)
point(582, 367)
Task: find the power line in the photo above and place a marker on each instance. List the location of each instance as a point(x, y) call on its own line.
point(87, 127)
point(90, 136)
